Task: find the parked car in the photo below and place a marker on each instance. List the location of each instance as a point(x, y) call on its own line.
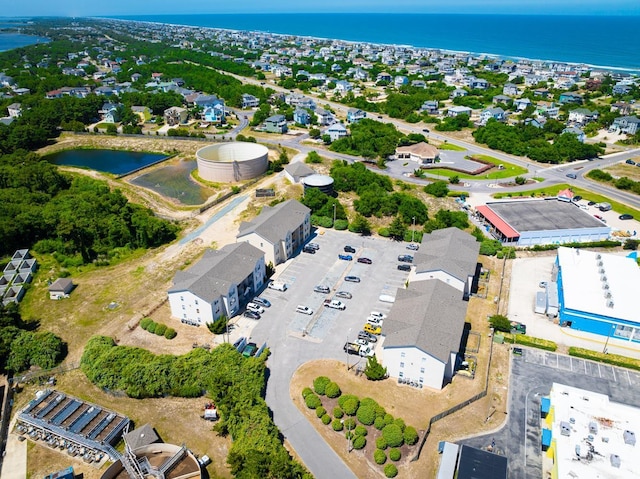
point(362, 342)
point(625, 216)
point(349, 249)
point(314, 246)
point(372, 338)
point(413, 246)
point(377, 314)
point(577, 198)
point(374, 321)
point(306, 249)
point(239, 341)
point(304, 309)
point(352, 279)
point(335, 304)
point(404, 267)
point(591, 203)
point(346, 257)
point(321, 289)
point(255, 308)
point(278, 286)
point(249, 350)
point(517, 351)
point(364, 260)
point(518, 328)
point(600, 218)
point(406, 258)
point(370, 328)
point(251, 314)
point(366, 351)
point(630, 162)
point(344, 294)
point(262, 302)
point(573, 176)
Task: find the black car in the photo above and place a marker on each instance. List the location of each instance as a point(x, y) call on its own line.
point(625, 216)
point(577, 198)
point(349, 249)
point(591, 203)
point(517, 351)
point(407, 258)
point(352, 279)
point(251, 314)
point(404, 267)
point(364, 260)
point(309, 250)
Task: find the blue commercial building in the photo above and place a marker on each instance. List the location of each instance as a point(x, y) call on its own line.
point(597, 293)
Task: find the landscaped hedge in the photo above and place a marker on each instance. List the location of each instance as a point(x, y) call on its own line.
point(361, 430)
point(326, 419)
point(306, 392)
point(349, 404)
point(338, 413)
point(312, 401)
point(381, 443)
point(156, 328)
point(530, 341)
point(366, 415)
point(379, 456)
point(359, 442)
point(379, 423)
point(320, 384)
point(320, 411)
point(332, 390)
point(341, 225)
point(160, 329)
point(395, 454)
point(170, 333)
point(390, 470)
point(612, 359)
point(393, 434)
point(337, 425)
point(410, 435)
point(592, 244)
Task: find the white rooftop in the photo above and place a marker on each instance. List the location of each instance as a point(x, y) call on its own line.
point(599, 283)
point(578, 408)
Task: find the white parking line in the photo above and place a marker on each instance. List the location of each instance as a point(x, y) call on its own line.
point(628, 377)
point(613, 370)
point(599, 372)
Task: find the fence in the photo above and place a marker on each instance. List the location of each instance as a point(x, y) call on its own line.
point(33, 375)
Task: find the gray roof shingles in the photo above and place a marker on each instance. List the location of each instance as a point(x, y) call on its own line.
point(273, 223)
point(451, 250)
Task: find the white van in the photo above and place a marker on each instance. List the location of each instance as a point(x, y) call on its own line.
point(278, 286)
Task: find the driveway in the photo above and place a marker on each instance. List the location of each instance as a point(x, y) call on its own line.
point(296, 338)
point(532, 376)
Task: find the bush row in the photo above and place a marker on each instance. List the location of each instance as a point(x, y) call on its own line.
point(612, 359)
point(159, 329)
point(530, 341)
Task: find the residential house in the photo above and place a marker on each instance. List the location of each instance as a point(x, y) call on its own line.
point(103, 90)
point(218, 284)
point(419, 84)
point(570, 97)
point(278, 231)
point(548, 109)
point(110, 112)
point(276, 124)
point(579, 134)
point(537, 122)
point(422, 153)
point(400, 80)
point(510, 89)
point(430, 107)
point(336, 131)
point(60, 288)
point(459, 110)
point(301, 116)
point(175, 115)
point(521, 103)
point(384, 76)
point(541, 92)
point(354, 115)
point(627, 124)
point(297, 171)
point(144, 112)
point(343, 86)
point(135, 77)
point(324, 117)
point(621, 89)
point(622, 108)
point(582, 116)
point(501, 99)
point(478, 83)
point(249, 101)
point(14, 110)
point(458, 92)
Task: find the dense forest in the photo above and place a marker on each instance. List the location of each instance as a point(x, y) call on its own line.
point(236, 384)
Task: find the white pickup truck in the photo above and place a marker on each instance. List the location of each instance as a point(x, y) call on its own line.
point(335, 304)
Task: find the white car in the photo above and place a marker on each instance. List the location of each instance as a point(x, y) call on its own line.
point(278, 286)
point(363, 342)
point(366, 351)
point(335, 304)
point(377, 314)
point(375, 321)
point(256, 308)
point(304, 309)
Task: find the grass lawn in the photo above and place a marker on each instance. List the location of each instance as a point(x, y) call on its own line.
point(586, 194)
point(452, 147)
point(509, 170)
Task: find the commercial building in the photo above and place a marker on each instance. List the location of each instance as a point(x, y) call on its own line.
point(218, 284)
point(534, 222)
point(422, 153)
point(597, 293)
point(586, 435)
point(279, 231)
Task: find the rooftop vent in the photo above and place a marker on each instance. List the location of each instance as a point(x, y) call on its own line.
point(607, 294)
point(605, 285)
point(598, 256)
point(600, 263)
point(610, 304)
point(629, 437)
point(615, 460)
point(603, 278)
point(601, 271)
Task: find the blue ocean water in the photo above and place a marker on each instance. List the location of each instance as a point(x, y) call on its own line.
point(602, 41)
point(9, 41)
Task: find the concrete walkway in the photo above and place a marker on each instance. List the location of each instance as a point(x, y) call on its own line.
point(14, 465)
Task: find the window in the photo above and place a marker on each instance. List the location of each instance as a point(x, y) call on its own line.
point(196, 301)
point(181, 298)
point(184, 315)
point(421, 370)
point(421, 380)
point(400, 374)
point(401, 365)
point(183, 307)
point(424, 359)
point(402, 355)
point(197, 311)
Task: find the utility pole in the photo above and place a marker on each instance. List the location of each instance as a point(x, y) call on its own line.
point(334, 215)
point(414, 228)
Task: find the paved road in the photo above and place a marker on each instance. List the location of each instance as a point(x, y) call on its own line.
point(532, 376)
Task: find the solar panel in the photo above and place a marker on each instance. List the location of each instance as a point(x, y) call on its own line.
point(37, 401)
point(67, 411)
point(49, 407)
point(82, 421)
point(101, 426)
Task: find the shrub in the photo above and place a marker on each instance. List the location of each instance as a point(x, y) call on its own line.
point(381, 443)
point(410, 435)
point(320, 411)
point(326, 419)
point(306, 392)
point(395, 454)
point(160, 329)
point(337, 425)
point(368, 402)
point(393, 434)
point(170, 333)
point(380, 412)
point(152, 327)
point(366, 415)
point(320, 384)
point(349, 404)
point(341, 225)
point(613, 359)
point(349, 423)
point(338, 413)
point(332, 390)
point(359, 442)
point(379, 456)
point(379, 423)
point(400, 423)
point(384, 232)
point(388, 419)
point(312, 401)
point(390, 470)
point(361, 430)
point(144, 324)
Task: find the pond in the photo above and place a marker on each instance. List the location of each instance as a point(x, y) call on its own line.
point(110, 161)
point(174, 181)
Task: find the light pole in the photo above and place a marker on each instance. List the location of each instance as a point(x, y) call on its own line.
point(334, 215)
point(606, 343)
point(414, 228)
point(348, 435)
point(347, 348)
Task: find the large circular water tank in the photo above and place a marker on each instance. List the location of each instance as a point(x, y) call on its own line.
point(323, 183)
point(235, 161)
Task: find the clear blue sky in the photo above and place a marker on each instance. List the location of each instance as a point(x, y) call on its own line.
point(160, 7)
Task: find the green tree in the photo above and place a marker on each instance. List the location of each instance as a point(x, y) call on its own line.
point(374, 370)
point(361, 225)
point(439, 189)
point(397, 229)
point(500, 323)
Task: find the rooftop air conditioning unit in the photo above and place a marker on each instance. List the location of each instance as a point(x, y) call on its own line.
point(607, 294)
point(603, 278)
point(601, 271)
point(600, 263)
point(598, 256)
point(610, 304)
point(605, 286)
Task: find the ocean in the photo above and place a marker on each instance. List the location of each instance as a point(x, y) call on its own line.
point(609, 42)
point(9, 41)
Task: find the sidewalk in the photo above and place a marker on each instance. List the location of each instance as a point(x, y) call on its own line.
point(14, 465)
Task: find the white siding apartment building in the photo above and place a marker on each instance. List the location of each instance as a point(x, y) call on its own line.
point(218, 284)
point(278, 231)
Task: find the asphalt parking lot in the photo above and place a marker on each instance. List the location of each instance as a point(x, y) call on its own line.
point(532, 376)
